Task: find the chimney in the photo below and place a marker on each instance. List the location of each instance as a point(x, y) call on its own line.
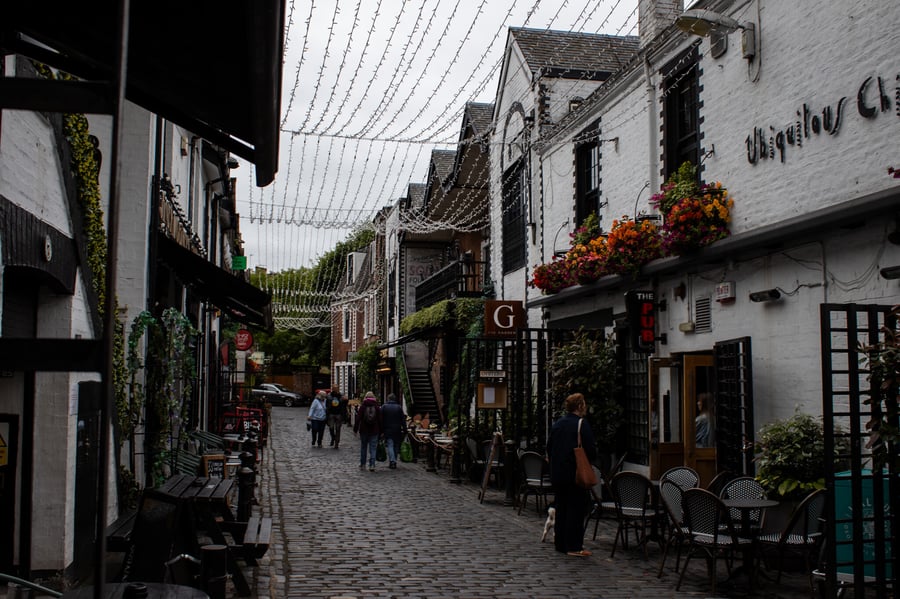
point(654, 16)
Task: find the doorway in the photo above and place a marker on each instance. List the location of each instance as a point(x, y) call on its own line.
point(699, 424)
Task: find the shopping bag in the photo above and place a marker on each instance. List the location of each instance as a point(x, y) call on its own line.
point(381, 452)
point(585, 477)
point(406, 454)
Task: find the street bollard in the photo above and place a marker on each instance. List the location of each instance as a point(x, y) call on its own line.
point(455, 472)
point(213, 570)
point(509, 471)
point(246, 484)
point(430, 453)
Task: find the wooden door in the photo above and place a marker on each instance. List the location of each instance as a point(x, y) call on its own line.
point(699, 423)
point(666, 448)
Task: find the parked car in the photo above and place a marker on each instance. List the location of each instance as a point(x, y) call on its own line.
point(277, 394)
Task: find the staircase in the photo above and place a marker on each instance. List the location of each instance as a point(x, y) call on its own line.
point(423, 399)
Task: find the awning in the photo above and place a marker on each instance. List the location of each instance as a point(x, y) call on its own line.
point(241, 300)
point(212, 67)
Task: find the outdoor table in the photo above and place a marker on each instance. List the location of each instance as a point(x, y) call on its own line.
point(208, 499)
point(746, 505)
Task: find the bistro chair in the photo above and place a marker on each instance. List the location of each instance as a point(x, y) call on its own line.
point(683, 476)
point(802, 534)
point(631, 492)
point(535, 479)
point(602, 503)
point(677, 533)
point(711, 533)
point(745, 487)
point(719, 481)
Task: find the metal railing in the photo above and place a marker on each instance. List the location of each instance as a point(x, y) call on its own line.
point(461, 278)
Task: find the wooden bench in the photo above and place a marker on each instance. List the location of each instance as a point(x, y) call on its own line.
point(118, 534)
point(185, 462)
point(208, 441)
point(252, 538)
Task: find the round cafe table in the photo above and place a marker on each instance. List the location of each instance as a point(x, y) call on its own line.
point(131, 590)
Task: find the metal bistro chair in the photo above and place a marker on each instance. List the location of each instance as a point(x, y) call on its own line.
point(719, 481)
point(671, 495)
point(683, 476)
point(745, 487)
point(711, 535)
point(631, 492)
point(600, 506)
point(801, 534)
point(535, 480)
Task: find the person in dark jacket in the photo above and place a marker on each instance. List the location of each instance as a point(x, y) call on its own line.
point(571, 500)
point(336, 408)
point(393, 421)
point(368, 426)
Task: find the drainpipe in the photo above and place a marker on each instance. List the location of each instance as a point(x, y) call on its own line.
point(191, 165)
point(653, 127)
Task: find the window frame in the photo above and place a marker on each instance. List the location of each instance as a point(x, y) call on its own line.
point(513, 217)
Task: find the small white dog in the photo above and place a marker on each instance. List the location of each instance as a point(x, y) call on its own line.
point(550, 523)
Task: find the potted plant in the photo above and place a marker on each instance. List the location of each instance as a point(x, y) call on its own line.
point(790, 460)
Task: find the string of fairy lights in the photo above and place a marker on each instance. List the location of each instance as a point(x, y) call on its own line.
point(373, 91)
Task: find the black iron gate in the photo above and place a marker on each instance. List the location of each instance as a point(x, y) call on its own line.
point(863, 486)
point(529, 407)
point(734, 406)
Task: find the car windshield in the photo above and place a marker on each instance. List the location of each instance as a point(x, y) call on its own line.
point(279, 387)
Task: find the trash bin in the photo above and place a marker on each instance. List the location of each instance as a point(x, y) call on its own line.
point(843, 495)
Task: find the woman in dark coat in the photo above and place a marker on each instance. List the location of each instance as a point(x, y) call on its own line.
point(571, 501)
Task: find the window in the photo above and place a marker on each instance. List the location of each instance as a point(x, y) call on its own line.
point(349, 269)
point(682, 113)
point(587, 180)
point(347, 324)
point(513, 218)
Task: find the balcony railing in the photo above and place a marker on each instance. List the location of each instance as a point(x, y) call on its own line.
point(462, 278)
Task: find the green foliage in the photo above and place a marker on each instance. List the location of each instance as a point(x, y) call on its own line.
point(460, 313)
point(790, 459)
point(168, 378)
point(588, 365)
point(367, 360)
point(883, 360)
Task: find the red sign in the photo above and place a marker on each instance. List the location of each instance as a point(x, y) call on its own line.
point(243, 340)
point(641, 310)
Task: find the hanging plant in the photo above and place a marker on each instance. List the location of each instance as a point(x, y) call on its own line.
point(631, 244)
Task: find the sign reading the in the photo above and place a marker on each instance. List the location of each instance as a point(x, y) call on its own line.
point(243, 340)
point(641, 309)
point(503, 318)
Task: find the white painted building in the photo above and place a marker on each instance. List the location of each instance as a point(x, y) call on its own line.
point(800, 126)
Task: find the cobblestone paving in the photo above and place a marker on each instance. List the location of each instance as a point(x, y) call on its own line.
point(340, 532)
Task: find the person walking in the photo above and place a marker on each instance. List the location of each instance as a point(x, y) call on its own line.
point(368, 426)
point(337, 415)
point(571, 500)
point(316, 418)
point(393, 422)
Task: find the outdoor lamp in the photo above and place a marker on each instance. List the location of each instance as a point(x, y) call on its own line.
point(891, 272)
point(767, 295)
point(707, 23)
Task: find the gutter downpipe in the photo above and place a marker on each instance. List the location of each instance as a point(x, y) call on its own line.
point(652, 126)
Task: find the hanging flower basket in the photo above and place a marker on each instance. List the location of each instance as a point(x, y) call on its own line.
point(631, 244)
point(551, 277)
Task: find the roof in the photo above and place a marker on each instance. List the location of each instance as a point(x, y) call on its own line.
point(443, 161)
point(416, 195)
point(211, 67)
point(569, 55)
point(480, 117)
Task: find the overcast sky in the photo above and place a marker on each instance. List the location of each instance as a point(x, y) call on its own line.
point(370, 88)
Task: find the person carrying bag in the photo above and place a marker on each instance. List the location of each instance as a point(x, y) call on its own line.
point(570, 436)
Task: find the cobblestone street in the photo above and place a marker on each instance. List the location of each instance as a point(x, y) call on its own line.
point(342, 532)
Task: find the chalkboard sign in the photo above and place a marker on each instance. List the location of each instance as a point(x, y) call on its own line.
point(496, 446)
point(214, 466)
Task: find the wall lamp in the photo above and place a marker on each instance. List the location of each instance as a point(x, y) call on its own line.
point(708, 23)
point(891, 272)
point(768, 295)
